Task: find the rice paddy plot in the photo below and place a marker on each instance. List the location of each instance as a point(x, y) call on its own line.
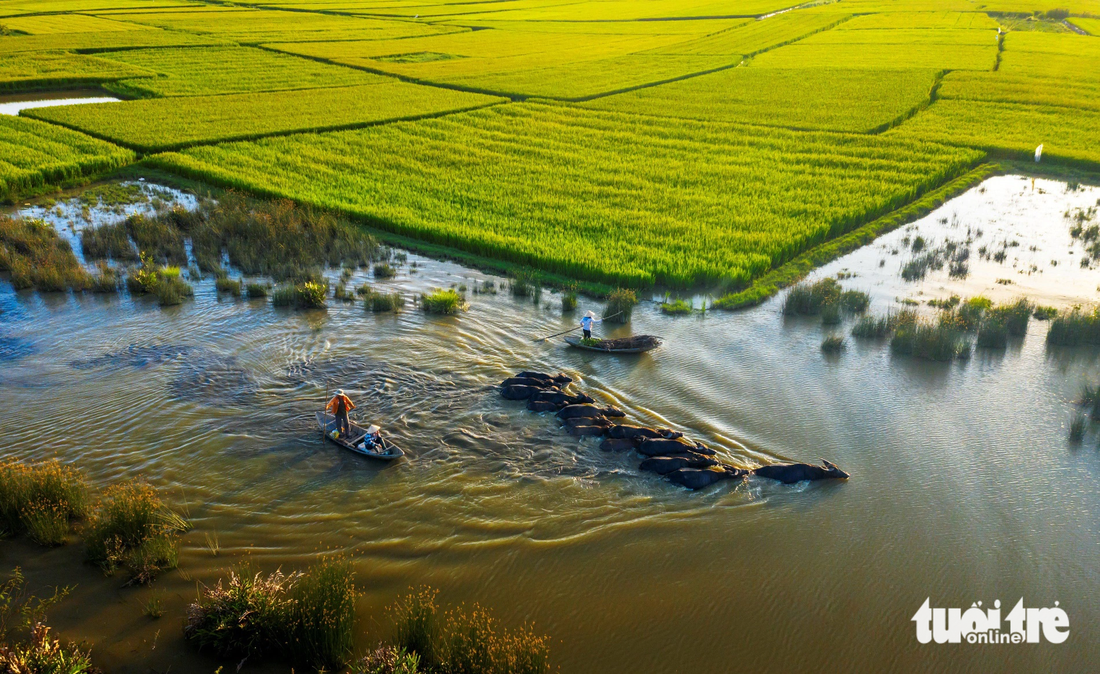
point(1066, 44)
point(529, 63)
point(225, 70)
point(1041, 65)
point(880, 56)
point(1090, 26)
point(38, 70)
point(905, 37)
point(1065, 133)
point(840, 100)
point(757, 36)
point(684, 29)
point(58, 6)
point(600, 196)
point(576, 81)
point(1007, 87)
point(946, 20)
point(632, 10)
point(253, 26)
point(102, 41)
point(33, 154)
point(51, 24)
point(157, 124)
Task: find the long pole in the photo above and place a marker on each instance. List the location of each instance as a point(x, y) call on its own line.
point(558, 334)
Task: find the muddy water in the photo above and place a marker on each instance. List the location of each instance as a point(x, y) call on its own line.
point(11, 104)
point(963, 485)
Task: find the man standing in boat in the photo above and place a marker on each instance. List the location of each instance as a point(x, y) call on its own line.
point(339, 406)
point(586, 324)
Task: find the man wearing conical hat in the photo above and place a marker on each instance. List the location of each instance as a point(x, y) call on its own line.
point(586, 324)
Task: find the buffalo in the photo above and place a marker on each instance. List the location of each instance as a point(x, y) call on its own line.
point(789, 473)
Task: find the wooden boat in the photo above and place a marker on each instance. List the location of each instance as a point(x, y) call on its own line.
point(354, 442)
point(635, 344)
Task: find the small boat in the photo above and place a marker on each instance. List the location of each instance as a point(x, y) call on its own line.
point(354, 442)
point(635, 344)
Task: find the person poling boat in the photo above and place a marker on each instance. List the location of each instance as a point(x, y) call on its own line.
point(367, 441)
point(586, 324)
point(339, 407)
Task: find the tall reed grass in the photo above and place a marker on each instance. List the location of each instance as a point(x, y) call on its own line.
point(41, 500)
point(1075, 327)
point(36, 257)
point(132, 528)
point(620, 306)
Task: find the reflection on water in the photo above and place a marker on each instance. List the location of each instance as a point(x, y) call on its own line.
point(11, 104)
point(963, 486)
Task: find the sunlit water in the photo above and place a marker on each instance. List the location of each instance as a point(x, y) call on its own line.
point(963, 484)
point(11, 104)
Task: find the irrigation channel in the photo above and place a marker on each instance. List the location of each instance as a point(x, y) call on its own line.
point(963, 488)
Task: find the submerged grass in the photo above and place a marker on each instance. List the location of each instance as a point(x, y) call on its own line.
point(676, 308)
point(307, 295)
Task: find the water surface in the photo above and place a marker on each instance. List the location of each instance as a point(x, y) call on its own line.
point(11, 104)
point(963, 486)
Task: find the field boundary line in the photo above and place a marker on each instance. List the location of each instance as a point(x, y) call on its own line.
point(796, 269)
point(933, 92)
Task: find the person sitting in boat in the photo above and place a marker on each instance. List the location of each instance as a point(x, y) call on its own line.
point(339, 406)
point(586, 324)
point(372, 441)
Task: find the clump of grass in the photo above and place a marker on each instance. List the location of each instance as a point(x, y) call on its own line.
point(108, 242)
point(41, 500)
point(384, 270)
point(43, 654)
point(465, 641)
point(307, 618)
point(809, 299)
point(388, 660)
point(152, 607)
point(569, 299)
point(157, 237)
point(1044, 313)
point(871, 327)
point(224, 284)
point(256, 290)
point(993, 333)
point(947, 305)
point(833, 344)
point(105, 281)
point(306, 295)
point(273, 238)
point(442, 302)
point(342, 294)
point(938, 342)
point(134, 529)
point(171, 289)
point(36, 257)
point(1077, 429)
point(1015, 316)
point(523, 282)
point(830, 314)
point(677, 308)
point(620, 306)
point(383, 302)
point(143, 280)
point(855, 301)
point(1075, 328)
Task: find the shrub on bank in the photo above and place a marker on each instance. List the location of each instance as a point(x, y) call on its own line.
point(307, 618)
point(464, 641)
point(133, 528)
point(41, 500)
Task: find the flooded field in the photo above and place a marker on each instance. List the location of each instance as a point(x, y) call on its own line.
point(963, 488)
point(11, 104)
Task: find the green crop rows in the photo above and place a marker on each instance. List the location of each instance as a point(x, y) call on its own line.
point(684, 142)
point(596, 195)
point(226, 70)
point(168, 123)
point(33, 154)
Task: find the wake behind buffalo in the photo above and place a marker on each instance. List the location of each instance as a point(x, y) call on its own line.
point(666, 452)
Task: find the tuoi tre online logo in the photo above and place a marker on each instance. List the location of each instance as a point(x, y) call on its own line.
point(977, 626)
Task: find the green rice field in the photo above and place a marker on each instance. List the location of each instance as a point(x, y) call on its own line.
point(665, 142)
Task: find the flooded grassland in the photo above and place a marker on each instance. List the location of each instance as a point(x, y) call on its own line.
point(963, 487)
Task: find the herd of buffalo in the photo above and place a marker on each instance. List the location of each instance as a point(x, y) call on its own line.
point(668, 453)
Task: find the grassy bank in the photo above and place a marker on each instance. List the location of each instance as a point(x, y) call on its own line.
point(790, 273)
